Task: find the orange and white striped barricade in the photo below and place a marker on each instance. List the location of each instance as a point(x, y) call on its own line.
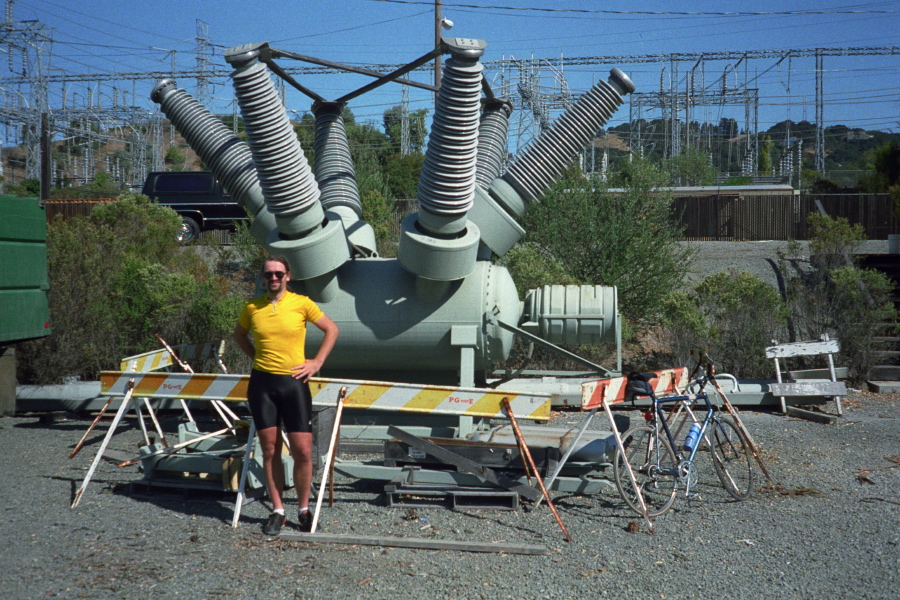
point(369, 395)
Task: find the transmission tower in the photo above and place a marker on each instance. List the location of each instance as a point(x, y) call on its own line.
point(536, 87)
point(203, 70)
point(28, 47)
point(404, 120)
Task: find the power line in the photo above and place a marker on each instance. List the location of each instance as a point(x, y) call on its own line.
point(524, 81)
point(661, 13)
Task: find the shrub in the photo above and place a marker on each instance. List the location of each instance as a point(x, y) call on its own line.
point(832, 241)
point(118, 277)
point(532, 267)
point(861, 303)
point(833, 296)
point(732, 316)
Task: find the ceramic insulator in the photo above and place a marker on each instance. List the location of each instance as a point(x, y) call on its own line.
point(226, 156)
point(539, 166)
point(492, 137)
point(334, 165)
point(290, 189)
point(447, 182)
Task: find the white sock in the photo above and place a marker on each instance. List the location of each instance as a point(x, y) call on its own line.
point(304, 509)
point(279, 511)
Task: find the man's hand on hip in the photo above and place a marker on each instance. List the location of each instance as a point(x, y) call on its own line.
point(306, 370)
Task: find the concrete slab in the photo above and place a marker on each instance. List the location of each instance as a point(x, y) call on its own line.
point(884, 387)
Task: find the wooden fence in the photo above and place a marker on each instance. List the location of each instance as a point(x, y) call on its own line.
point(738, 217)
point(72, 208)
point(725, 216)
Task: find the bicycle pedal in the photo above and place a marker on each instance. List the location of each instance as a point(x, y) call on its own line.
point(694, 497)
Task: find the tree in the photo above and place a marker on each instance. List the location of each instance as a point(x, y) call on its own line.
point(728, 128)
point(402, 174)
point(765, 155)
point(834, 296)
point(691, 167)
point(883, 166)
point(26, 188)
point(306, 134)
point(622, 237)
point(393, 128)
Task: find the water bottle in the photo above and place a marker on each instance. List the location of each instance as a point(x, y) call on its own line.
point(692, 437)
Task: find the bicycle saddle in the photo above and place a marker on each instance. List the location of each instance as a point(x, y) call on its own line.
point(638, 383)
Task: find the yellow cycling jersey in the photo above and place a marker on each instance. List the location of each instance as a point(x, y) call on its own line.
point(279, 330)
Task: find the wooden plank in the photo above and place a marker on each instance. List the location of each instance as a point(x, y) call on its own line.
point(793, 411)
point(460, 462)
point(824, 373)
point(420, 543)
point(812, 348)
point(809, 388)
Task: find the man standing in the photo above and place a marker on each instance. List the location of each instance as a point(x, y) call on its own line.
point(279, 390)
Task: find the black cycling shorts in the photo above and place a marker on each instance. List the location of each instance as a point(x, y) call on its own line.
point(279, 398)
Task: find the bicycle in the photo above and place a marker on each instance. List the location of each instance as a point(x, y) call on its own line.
point(658, 467)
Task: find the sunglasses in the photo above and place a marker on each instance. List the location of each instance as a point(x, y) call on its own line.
point(275, 274)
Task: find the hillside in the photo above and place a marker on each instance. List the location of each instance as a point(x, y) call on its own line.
point(845, 147)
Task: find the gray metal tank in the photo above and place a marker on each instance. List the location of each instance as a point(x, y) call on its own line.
point(386, 327)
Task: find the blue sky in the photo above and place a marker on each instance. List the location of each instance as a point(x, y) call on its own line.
point(108, 36)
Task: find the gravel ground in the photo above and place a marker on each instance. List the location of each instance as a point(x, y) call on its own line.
point(818, 530)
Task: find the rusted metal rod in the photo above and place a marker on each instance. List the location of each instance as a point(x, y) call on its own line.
point(527, 454)
point(80, 443)
point(740, 425)
point(520, 444)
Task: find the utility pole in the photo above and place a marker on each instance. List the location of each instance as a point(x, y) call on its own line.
point(820, 113)
point(438, 17)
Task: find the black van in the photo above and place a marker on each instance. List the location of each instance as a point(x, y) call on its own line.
point(197, 197)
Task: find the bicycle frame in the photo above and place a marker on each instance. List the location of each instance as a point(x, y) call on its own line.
point(661, 417)
point(684, 463)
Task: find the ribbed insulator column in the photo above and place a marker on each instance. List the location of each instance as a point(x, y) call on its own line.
point(527, 179)
point(284, 174)
point(226, 156)
point(315, 244)
point(447, 181)
point(334, 165)
point(439, 243)
point(535, 170)
point(492, 138)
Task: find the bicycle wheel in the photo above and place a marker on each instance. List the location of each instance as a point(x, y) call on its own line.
point(731, 458)
point(648, 454)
